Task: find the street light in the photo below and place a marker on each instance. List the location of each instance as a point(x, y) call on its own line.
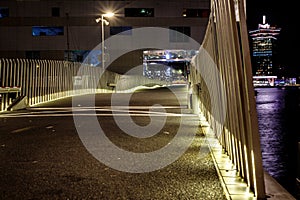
point(108, 15)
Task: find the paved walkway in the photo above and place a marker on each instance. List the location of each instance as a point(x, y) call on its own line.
point(42, 156)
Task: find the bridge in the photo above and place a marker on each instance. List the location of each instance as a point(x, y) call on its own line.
point(219, 94)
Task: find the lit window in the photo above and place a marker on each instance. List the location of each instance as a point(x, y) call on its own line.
point(139, 12)
point(4, 12)
point(202, 13)
point(47, 30)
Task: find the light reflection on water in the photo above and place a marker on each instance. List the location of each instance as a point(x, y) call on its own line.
point(279, 125)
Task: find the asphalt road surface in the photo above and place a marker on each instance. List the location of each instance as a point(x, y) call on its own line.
point(55, 150)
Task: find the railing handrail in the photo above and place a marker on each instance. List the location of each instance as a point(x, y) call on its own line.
point(226, 48)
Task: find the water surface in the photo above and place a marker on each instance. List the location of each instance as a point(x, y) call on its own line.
point(278, 112)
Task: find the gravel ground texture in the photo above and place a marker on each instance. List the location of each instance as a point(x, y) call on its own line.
point(44, 158)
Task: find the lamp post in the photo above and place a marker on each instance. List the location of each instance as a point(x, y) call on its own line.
point(102, 31)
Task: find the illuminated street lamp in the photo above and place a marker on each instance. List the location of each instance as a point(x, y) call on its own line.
point(108, 15)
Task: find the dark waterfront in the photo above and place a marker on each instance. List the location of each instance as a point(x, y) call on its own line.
point(278, 117)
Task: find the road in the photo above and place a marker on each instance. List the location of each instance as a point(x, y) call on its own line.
point(46, 150)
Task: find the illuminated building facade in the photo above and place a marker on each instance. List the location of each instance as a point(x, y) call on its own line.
point(264, 44)
point(168, 65)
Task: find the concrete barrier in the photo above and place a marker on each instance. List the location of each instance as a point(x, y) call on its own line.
point(19, 103)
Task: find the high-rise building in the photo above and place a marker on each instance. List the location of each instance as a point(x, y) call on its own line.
point(264, 44)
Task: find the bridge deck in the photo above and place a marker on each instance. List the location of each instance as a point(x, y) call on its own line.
point(42, 156)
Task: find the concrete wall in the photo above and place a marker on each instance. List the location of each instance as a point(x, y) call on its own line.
point(81, 31)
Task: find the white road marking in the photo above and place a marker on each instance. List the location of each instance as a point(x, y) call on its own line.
point(22, 129)
point(97, 111)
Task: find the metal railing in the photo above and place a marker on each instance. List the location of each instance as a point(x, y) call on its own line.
point(45, 80)
point(38, 80)
point(221, 77)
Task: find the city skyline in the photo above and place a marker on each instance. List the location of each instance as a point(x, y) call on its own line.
point(283, 16)
point(263, 43)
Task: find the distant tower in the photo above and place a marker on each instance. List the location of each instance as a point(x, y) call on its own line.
point(264, 41)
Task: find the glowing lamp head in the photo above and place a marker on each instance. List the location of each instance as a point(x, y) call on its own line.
point(98, 20)
point(110, 14)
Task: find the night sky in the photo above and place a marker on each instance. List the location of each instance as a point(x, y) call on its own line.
point(281, 15)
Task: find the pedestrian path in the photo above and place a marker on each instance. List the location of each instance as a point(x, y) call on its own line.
point(233, 186)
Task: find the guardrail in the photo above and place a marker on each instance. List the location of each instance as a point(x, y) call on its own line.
point(38, 80)
point(45, 80)
point(224, 59)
